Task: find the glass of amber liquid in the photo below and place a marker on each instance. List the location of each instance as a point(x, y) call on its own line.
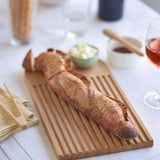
point(22, 15)
point(152, 99)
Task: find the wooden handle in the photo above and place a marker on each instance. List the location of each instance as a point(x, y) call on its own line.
point(110, 33)
point(20, 120)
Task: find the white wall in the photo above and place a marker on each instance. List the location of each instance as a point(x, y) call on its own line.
point(155, 4)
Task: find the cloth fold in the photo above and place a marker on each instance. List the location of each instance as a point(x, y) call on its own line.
point(7, 125)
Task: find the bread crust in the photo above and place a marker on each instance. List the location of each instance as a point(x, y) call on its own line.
point(52, 62)
point(111, 114)
point(78, 91)
point(28, 62)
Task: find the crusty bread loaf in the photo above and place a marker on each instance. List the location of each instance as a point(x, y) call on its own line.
point(50, 62)
point(77, 90)
point(108, 112)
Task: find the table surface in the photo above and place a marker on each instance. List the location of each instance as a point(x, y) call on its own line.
point(33, 143)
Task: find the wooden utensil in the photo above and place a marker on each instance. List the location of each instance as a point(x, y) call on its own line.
point(112, 34)
point(20, 120)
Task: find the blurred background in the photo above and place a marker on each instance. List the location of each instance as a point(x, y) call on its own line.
point(155, 4)
point(56, 23)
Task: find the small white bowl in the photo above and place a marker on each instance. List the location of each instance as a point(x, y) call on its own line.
point(123, 60)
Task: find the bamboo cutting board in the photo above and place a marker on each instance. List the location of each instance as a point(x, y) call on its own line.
point(73, 135)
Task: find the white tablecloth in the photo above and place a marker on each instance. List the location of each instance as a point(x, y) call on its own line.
point(33, 143)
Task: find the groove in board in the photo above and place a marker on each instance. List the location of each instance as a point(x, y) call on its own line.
point(115, 139)
point(52, 136)
point(113, 93)
point(59, 121)
point(72, 134)
point(134, 112)
point(101, 89)
point(133, 118)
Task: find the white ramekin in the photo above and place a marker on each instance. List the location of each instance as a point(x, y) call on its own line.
point(123, 60)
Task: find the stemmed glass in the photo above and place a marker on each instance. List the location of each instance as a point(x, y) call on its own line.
point(152, 99)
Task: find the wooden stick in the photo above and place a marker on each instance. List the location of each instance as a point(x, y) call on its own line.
point(110, 33)
point(20, 120)
point(17, 120)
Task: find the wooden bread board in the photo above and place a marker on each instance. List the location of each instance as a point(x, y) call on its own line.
point(72, 134)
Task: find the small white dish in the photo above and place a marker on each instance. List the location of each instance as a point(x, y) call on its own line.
point(123, 60)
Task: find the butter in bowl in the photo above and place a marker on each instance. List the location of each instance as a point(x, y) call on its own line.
point(84, 55)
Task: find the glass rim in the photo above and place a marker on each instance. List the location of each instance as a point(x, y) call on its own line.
point(151, 24)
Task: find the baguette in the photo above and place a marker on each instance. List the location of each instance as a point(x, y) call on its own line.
point(77, 90)
point(110, 113)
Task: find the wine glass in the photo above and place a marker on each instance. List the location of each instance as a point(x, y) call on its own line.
point(152, 99)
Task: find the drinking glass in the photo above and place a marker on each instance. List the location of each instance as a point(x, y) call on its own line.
point(22, 14)
point(76, 15)
point(152, 99)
